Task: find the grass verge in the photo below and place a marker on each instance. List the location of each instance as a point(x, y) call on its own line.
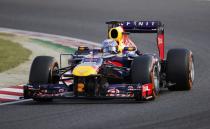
point(54, 46)
point(12, 54)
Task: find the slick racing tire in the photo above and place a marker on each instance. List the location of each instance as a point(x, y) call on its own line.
point(43, 71)
point(180, 69)
point(144, 71)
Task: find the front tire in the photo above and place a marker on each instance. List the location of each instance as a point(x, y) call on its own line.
point(43, 71)
point(145, 71)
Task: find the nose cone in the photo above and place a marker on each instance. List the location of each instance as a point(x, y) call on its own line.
point(83, 71)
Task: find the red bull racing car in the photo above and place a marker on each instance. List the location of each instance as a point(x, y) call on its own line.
point(116, 70)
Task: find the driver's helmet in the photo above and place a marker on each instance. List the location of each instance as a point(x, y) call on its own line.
point(110, 46)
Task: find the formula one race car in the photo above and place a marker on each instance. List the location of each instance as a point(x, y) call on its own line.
point(116, 70)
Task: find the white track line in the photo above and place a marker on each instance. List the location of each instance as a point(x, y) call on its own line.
point(39, 35)
point(15, 102)
point(13, 97)
point(12, 90)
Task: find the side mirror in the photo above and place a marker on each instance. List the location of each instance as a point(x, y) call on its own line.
point(83, 48)
point(129, 49)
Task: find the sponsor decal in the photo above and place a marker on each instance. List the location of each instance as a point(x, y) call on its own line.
point(113, 91)
point(130, 88)
point(160, 40)
point(140, 24)
point(96, 60)
point(129, 25)
point(160, 43)
point(144, 24)
point(61, 90)
point(147, 89)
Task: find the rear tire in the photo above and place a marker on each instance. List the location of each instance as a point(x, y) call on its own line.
point(43, 71)
point(144, 71)
point(180, 69)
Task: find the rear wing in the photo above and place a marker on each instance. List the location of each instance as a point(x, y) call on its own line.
point(143, 27)
point(138, 26)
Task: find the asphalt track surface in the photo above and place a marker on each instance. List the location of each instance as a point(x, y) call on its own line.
point(187, 24)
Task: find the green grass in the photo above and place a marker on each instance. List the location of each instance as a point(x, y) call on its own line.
point(12, 54)
point(6, 34)
point(54, 46)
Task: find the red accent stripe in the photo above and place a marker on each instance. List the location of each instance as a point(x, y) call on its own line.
point(11, 93)
point(117, 63)
point(160, 44)
point(6, 100)
point(16, 87)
